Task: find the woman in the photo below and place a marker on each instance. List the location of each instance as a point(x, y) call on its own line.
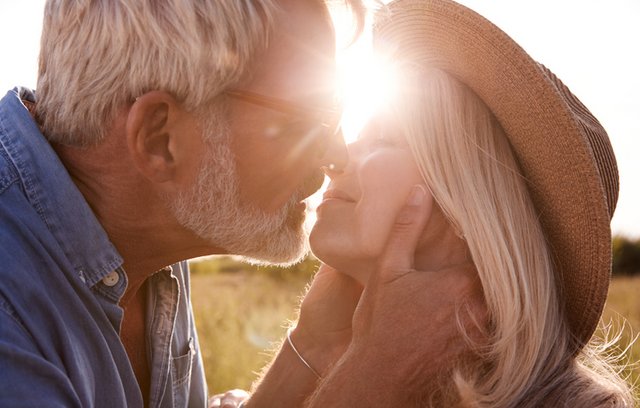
point(523, 183)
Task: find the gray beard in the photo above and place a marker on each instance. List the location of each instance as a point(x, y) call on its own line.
point(212, 209)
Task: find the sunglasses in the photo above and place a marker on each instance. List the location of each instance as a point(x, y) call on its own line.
point(307, 122)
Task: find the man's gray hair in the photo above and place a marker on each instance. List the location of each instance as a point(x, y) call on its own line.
point(98, 56)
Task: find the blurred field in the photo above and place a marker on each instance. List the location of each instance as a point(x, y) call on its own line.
point(242, 313)
point(623, 313)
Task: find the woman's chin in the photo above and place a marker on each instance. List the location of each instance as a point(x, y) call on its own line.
point(321, 245)
point(341, 254)
point(343, 264)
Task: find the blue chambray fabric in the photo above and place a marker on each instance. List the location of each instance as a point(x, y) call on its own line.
point(59, 321)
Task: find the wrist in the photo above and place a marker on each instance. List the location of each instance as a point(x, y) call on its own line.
point(300, 356)
point(320, 352)
point(358, 380)
point(286, 383)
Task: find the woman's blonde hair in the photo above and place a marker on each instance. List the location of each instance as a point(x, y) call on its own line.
point(467, 162)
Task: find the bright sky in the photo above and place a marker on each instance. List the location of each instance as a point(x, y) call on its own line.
point(593, 46)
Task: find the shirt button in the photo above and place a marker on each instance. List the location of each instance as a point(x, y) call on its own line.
point(111, 279)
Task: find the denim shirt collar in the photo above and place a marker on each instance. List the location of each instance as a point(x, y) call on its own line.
point(52, 193)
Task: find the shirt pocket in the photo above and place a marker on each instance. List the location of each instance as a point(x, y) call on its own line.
point(181, 375)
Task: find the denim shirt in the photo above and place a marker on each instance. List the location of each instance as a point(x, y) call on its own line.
point(60, 284)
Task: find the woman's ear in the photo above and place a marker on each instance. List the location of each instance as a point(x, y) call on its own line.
point(152, 124)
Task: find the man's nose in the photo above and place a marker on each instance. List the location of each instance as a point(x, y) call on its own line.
point(336, 156)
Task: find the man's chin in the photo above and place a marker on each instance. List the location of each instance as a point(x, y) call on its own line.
point(283, 263)
point(287, 254)
point(285, 246)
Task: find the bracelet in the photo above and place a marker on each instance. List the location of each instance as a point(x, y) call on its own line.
point(295, 350)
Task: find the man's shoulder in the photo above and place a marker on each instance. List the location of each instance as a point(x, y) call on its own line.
point(8, 173)
point(23, 275)
point(23, 259)
point(11, 139)
point(27, 249)
point(22, 230)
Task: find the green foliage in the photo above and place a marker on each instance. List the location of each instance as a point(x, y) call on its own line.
point(626, 256)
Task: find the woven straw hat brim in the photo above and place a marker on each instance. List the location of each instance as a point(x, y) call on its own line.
point(564, 153)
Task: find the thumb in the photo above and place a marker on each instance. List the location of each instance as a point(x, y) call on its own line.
point(399, 251)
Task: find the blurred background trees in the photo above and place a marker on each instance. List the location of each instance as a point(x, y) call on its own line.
point(626, 256)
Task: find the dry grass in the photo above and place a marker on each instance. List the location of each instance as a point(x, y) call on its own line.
point(241, 315)
point(622, 315)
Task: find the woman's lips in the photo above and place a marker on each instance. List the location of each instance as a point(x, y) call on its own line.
point(338, 195)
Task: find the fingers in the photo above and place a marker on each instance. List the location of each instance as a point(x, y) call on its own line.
point(340, 282)
point(328, 305)
point(324, 268)
point(330, 286)
point(409, 224)
point(230, 399)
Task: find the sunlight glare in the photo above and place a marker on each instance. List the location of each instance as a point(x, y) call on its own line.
point(365, 80)
point(366, 83)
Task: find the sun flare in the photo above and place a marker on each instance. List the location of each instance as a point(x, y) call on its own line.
point(366, 83)
point(365, 80)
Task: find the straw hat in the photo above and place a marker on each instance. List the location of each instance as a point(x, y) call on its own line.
point(563, 151)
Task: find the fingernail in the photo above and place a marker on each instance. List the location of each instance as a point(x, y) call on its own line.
point(417, 196)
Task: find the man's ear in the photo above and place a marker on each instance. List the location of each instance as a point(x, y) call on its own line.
point(150, 133)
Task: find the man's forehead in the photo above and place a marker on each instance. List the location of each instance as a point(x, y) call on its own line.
point(299, 61)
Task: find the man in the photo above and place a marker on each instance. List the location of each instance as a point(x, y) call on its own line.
point(147, 161)
point(161, 131)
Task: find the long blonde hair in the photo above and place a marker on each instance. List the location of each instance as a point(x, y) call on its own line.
point(467, 162)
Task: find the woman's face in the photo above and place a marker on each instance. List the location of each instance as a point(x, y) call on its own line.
point(361, 203)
